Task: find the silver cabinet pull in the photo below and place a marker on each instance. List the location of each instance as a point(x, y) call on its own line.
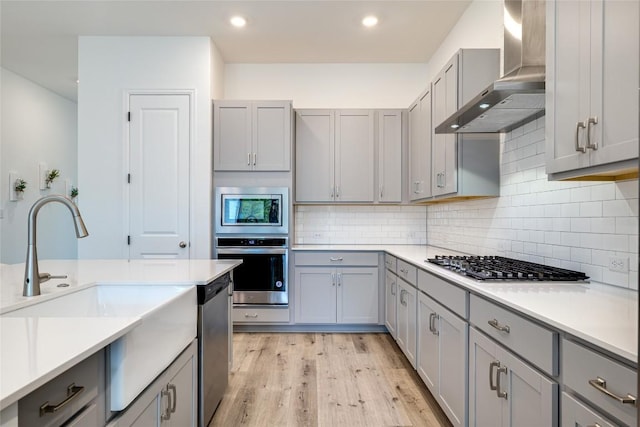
point(182, 244)
point(248, 159)
point(337, 191)
point(600, 384)
point(255, 156)
point(381, 192)
point(251, 316)
point(167, 413)
point(499, 392)
point(415, 187)
point(492, 365)
point(333, 279)
point(432, 326)
point(336, 259)
point(494, 322)
point(174, 403)
point(578, 147)
point(72, 392)
point(393, 288)
point(339, 279)
point(403, 299)
point(591, 121)
point(333, 191)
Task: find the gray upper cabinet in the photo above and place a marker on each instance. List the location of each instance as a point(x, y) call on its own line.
point(464, 165)
point(334, 156)
point(252, 135)
point(389, 156)
point(591, 95)
point(420, 147)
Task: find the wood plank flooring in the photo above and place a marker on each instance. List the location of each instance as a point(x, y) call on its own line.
point(324, 380)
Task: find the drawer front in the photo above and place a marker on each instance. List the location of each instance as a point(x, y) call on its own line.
point(575, 413)
point(390, 262)
point(531, 341)
point(581, 369)
point(408, 272)
point(87, 374)
point(337, 259)
point(259, 315)
point(450, 296)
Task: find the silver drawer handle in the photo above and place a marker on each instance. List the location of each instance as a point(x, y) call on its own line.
point(492, 365)
point(72, 392)
point(167, 413)
point(334, 259)
point(499, 392)
point(591, 121)
point(393, 288)
point(578, 147)
point(432, 327)
point(601, 385)
point(494, 322)
point(252, 316)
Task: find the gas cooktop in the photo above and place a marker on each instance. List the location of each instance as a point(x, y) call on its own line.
point(502, 268)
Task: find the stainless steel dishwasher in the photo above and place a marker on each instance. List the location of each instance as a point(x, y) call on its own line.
point(213, 345)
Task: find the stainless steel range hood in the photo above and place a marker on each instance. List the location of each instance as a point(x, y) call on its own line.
point(518, 96)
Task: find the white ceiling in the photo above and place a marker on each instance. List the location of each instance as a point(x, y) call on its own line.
point(39, 38)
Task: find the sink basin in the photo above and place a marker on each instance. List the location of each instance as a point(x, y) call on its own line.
point(168, 324)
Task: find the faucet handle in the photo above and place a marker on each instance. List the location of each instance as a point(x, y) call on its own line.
point(46, 276)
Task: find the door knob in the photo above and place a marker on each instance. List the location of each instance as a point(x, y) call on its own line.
point(182, 244)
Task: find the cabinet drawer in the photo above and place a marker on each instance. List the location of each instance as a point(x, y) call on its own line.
point(390, 262)
point(450, 296)
point(87, 374)
point(251, 315)
point(575, 413)
point(337, 259)
point(581, 369)
point(533, 342)
point(408, 272)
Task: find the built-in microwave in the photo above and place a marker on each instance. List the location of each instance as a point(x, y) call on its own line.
point(251, 210)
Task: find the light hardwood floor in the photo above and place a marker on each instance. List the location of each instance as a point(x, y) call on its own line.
point(321, 379)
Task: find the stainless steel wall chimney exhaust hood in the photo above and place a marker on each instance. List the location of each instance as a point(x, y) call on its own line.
point(518, 96)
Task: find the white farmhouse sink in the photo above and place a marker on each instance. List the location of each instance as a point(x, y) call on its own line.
point(168, 313)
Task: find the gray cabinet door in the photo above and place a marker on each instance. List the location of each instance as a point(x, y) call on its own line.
point(592, 115)
point(485, 409)
point(358, 292)
point(315, 133)
point(407, 306)
point(389, 156)
point(182, 388)
point(444, 149)
point(232, 138)
point(428, 343)
point(420, 147)
point(271, 136)
point(390, 315)
point(354, 156)
point(315, 295)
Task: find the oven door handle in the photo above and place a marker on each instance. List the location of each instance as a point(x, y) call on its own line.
point(259, 251)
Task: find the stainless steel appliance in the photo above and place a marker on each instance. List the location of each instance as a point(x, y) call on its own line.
point(262, 277)
point(502, 268)
point(213, 345)
point(251, 210)
point(252, 224)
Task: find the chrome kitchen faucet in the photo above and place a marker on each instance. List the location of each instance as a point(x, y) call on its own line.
point(32, 276)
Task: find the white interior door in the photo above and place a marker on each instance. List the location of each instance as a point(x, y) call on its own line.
point(159, 133)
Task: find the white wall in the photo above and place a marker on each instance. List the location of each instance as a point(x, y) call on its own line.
point(480, 26)
point(328, 85)
point(217, 73)
point(108, 67)
point(37, 126)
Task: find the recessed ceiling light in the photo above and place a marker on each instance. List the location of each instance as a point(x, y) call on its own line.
point(238, 21)
point(370, 21)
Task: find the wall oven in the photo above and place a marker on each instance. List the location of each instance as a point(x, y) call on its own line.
point(252, 224)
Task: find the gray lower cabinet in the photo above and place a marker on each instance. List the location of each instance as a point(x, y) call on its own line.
point(406, 310)
point(506, 391)
point(391, 288)
point(577, 414)
point(170, 400)
point(75, 396)
point(442, 357)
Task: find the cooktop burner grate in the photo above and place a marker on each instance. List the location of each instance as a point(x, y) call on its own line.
point(502, 268)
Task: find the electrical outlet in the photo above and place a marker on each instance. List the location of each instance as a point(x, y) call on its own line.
point(619, 264)
point(317, 235)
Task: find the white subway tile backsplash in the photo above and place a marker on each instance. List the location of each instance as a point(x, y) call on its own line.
point(576, 225)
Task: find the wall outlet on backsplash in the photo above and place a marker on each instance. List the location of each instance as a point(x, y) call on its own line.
point(619, 264)
point(318, 235)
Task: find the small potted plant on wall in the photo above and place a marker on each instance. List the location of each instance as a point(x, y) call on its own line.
point(19, 186)
point(73, 193)
point(51, 176)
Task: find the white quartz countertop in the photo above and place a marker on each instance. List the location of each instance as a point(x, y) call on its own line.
point(34, 349)
point(605, 316)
